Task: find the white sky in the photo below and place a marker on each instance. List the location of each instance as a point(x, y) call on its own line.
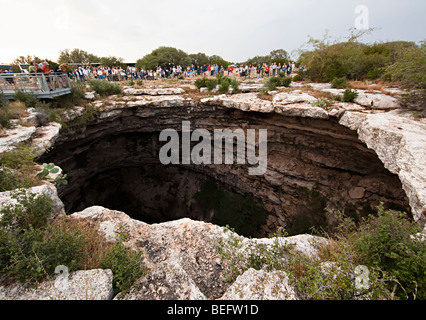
point(233, 29)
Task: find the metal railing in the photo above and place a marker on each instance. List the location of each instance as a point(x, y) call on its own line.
point(43, 85)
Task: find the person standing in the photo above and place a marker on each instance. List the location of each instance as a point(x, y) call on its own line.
point(289, 69)
point(46, 70)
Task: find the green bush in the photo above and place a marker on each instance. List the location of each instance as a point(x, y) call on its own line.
point(410, 69)
point(72, 99)
point(31, 247)
point(225, 83)
point(301, 75)
point(272, 83)
point(21, 159)
point(206, 82)
point(27, 98)
point(351, 59)
point(105, 88)
point(8, 180)
point(339, 83)
point(4, 114)
point(322, 103)
point(386, 242)
point(349, 95)
point(126, 265)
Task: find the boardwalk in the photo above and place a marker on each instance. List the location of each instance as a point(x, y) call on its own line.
point(40, 84)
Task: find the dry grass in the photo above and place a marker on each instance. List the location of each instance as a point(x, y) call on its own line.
point(371, 87)
point(329, 250)
point(17, 109)
point(265, 96)
point(95, 245)
point(320, 94)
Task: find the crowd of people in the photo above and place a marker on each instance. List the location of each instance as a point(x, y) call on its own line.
point(40, 71)
point(133, 73)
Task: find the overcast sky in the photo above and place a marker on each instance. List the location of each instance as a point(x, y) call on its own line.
point(233, 29)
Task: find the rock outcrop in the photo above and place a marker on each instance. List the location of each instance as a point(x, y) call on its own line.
point(93, 284)
point(183, 260)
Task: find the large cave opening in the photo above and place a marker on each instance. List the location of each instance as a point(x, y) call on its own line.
point(313, 165)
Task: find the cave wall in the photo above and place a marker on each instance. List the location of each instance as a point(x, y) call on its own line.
point(312, 164)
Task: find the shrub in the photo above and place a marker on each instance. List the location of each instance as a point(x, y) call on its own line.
point(29, 99)
point(349, 95)
point(4, 114)
point(105, 88)
point(225, 83)
point(72, 99)
point(31, 248)
point(301, 75)
point(126, 265)
point(323, 103)
point(88, 115)
point(410, 69)
point(206, 82)
point(339, 83)
point(386, 242)
point(8, 180)
point(21, 159)
point(273, 82)
point(239, 257)
point(17, 109)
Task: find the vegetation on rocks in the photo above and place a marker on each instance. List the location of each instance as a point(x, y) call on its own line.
point(105, 88)
point(31, 247)
point(387, 244)
point(272, 83)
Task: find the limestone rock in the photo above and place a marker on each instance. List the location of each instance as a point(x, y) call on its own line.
point(377, 100)
point(46, 137)
point(169, 281)
point(399, 143)
point(14, 136)
point(261, 285)
point(73, 113)
point(250, 87)
point(181, 254)
point(47, 189)
point(293, 97)
point(301, 110)
point(91, 95)
point(93, 284)
point(352, 120)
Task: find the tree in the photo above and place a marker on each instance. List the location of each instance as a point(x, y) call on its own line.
point(215, 59)
point(257, 60)
point(410, 69)
point(112, 61)
point(164, 57)
point(279, 54)
point(25, 60)
point(199, 59)
point(77, 56)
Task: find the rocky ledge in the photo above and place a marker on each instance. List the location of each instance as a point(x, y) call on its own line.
point(181, 255)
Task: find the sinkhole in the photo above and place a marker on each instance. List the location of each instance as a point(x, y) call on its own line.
point(313, 165)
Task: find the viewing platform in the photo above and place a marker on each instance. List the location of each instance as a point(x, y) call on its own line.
point(40, 84)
